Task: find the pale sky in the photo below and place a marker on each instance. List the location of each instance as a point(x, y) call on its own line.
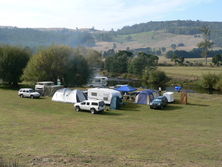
point(104, 14)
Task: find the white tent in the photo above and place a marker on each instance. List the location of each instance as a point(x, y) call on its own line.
point(68, 96)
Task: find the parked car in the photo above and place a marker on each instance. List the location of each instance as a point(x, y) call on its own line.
point(164, 100)
point(157, 104)
point(28, 92)
point(94, 106)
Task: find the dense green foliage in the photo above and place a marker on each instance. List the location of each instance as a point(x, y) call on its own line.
point(58, 62)
point(155, 78)
point(118, 63)
point(177, 59)
point(195, 53)
point(12, 62)
point(209, 81)
point(93, 57)
point(141, 62)
point(217, 60)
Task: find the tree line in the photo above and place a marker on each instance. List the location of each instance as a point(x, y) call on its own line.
point(44, 37)
point(71, 65)
point(141, 66)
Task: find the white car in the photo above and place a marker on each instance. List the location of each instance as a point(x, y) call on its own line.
point(28, 92)
point(94, 106)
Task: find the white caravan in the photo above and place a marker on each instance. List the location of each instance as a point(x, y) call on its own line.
point(98, 82)
point(104, 94)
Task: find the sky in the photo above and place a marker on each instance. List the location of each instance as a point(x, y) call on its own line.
point(103, 14)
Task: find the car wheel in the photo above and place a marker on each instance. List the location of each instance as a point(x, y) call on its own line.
point(32, 97)
point(93, 111)
point(21, 96)
point(77, 109)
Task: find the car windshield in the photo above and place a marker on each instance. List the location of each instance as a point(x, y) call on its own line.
point(157, 100)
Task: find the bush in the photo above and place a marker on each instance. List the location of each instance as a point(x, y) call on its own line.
point(209, 81)
point(155, 79)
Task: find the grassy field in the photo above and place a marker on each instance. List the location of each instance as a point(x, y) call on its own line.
point(40, 132)
point(153, 39)
point(190, 73)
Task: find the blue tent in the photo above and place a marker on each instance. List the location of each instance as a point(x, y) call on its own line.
point(126, 88)
point(146, 96)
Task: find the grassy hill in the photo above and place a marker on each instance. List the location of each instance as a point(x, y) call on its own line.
point(152, 34)
point(154, 39)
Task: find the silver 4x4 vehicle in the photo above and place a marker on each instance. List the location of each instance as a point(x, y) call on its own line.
point(94, 106)
point(28, 92)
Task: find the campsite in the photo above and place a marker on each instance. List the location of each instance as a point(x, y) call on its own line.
point(111, 83)
point(41, 132)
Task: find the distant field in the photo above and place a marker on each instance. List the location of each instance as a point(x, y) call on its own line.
point(153, 39)
point(163, 59)
point(45, 133)
point(191, 73)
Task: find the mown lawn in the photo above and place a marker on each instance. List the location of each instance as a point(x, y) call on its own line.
point(45, 133)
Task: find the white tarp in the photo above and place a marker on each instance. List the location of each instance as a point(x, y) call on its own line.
point(169, 96)
point(67, 95)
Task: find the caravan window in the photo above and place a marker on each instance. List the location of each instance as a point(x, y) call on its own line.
point(105, 98)
point(87, 103)
point(83, 103)
point(97, 80)
point(94, 94)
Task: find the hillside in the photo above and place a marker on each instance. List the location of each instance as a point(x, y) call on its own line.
point(184, 34)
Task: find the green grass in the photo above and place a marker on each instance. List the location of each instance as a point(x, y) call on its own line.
point(191, 73)
point(145, 37)
point(40, 132)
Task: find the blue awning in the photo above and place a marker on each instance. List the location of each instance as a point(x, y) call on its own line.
point(126, 88)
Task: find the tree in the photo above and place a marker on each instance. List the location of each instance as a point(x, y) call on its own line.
point(12, 62)
point(173, 46)
point(217, 60)
point(58, 62)
point(206, 44)
point(154, 78)
point(177, 59)
point(139, 63)
point(118, 63)
point(209, 81)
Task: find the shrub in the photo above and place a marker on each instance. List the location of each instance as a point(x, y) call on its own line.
point(209, 81)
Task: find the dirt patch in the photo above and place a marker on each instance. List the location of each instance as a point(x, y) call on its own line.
point(92, 161)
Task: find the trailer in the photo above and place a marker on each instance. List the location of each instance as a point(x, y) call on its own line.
point(104, 94)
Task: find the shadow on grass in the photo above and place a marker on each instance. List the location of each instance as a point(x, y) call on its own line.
point(130, 107)
point(110, 113)
point(172, 107)
point(199, 105)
